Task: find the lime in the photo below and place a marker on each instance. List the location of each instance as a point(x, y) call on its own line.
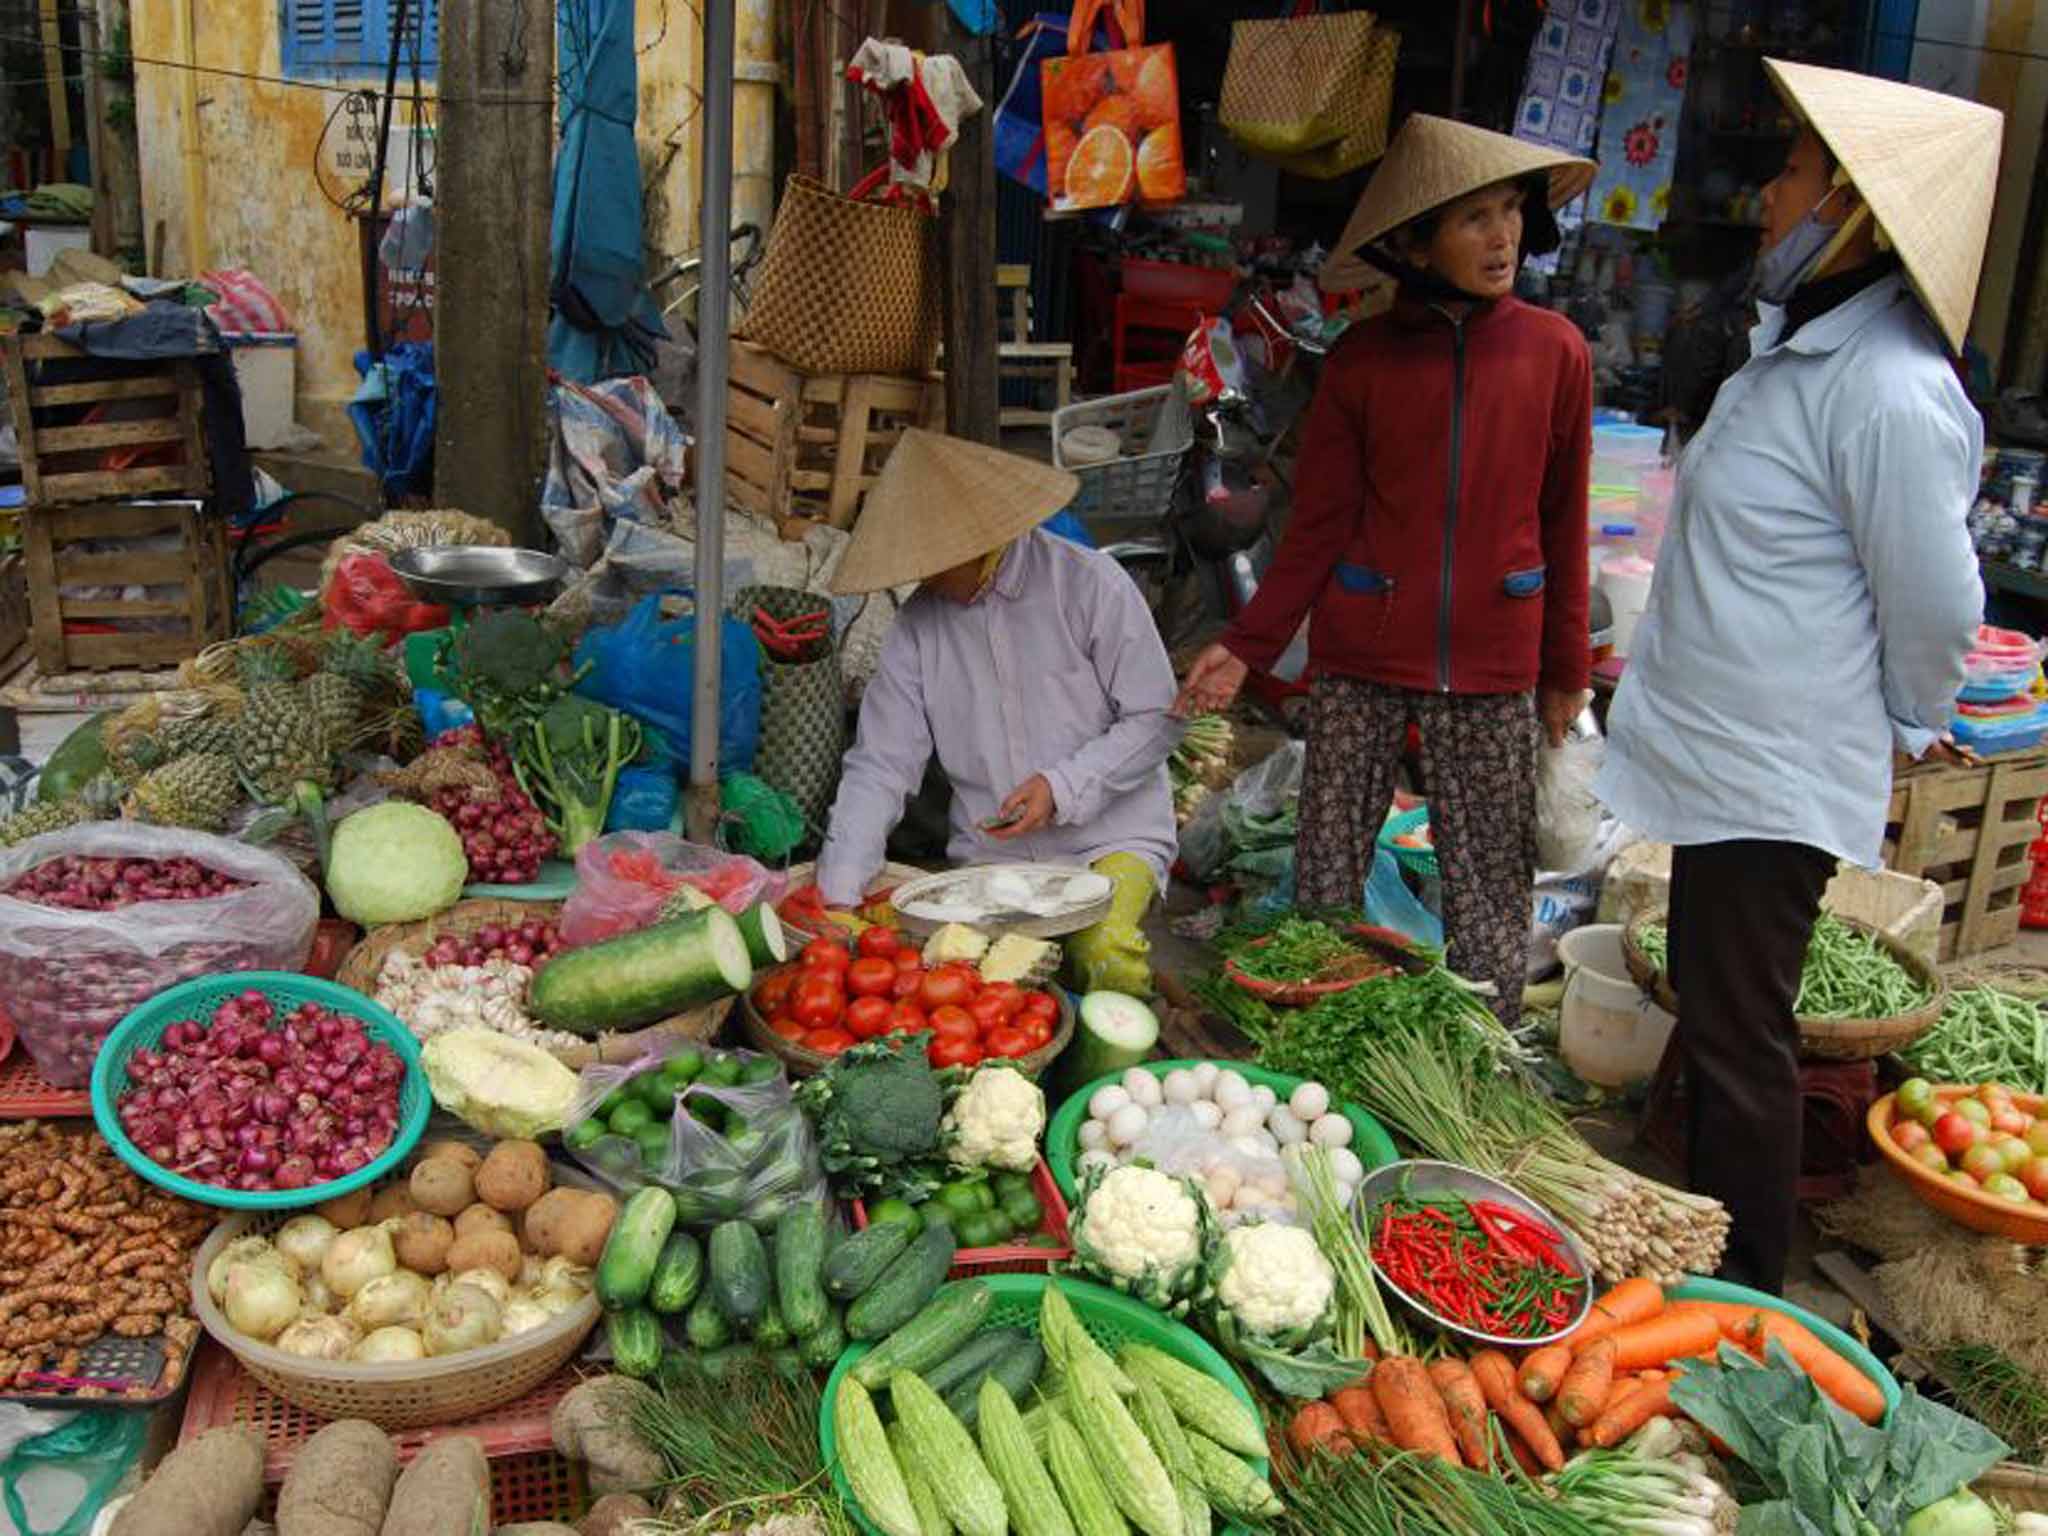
point(1001, 1225)
point(653, 1090)
point(585, 1133)
point(985, 1195)
point(762, 1069)
point(961, 1198)
point(630, 1118)
point(975, 1232)
point(1024, 1211)
point(685, 1064)
point(721, 1071)
point(1008, 1184)
point(613, 1100)
point(653, 1140)
point(896, 1210)
point(708, 1112)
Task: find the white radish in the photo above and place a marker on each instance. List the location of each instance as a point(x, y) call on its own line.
point(1310, 1102)
point(1242, 1121)
point(1180, 1087)
point(1143, 1088)
point(1206, 1073)
point(1232, 1091)
point(1207, 1112)
point(1265, 1097)
point(1107, 1100)
point(1094, 1136)
point(1345, 1167)
point(1331, 1131)
point(1128, 1124)
point(1286, 1129)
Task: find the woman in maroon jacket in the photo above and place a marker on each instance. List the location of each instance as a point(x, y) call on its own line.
point(1438, 538)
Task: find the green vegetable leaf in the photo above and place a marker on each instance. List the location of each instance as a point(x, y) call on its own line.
point(1313, 1372)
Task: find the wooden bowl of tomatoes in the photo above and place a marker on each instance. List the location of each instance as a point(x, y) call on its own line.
point(1959, 1148)
point(841, 991)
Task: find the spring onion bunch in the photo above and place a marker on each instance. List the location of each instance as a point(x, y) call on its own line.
point(1378, 1491)
point(1649, 1488)
point(1361, 1311)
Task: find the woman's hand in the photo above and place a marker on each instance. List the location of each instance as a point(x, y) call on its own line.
point(1211, 684)
point(1558, 708)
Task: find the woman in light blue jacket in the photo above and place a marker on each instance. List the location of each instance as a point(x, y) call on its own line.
point(1814, 600)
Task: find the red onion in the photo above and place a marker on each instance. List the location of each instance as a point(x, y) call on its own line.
point(100, 885)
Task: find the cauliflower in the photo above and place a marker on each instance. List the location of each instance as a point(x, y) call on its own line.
point(996, 1121)
point(1143, 1232)
point(1274, 1285)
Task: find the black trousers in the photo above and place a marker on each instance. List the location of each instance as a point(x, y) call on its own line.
point(1741, 916)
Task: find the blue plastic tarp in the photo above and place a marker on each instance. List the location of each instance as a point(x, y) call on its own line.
point(605, 320)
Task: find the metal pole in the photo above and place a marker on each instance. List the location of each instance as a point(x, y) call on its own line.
point(714, 324)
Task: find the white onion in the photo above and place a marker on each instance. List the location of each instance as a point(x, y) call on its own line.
point(1143, 1088)
point(489, 1281)
point(356, 1258)
point(1206, 1073)
point(1088, 1162)
point(523, 1315)
point(1181, 1087)
point(397, 1300)
point(1345, 1167)
point(304, 1240)
point(1094, 1135)
point(1331, 1131)
point(1264, 1097)
point(1231, 1091)
point(466, 1317)
point(1107, 1100)
point(1242, 1121)
point(320, 1338)
point(262, 1300)
point(388, 1345)
point(243, 1250)
point(1310, 1102)
point(1128, 1124)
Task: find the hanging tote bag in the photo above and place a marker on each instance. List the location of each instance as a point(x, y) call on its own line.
point(848, 284)
point(803, 707)
point(1112, 119)
point(1020, 116)
point(1314, 91)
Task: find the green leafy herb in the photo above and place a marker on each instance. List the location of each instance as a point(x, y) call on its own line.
point(568, 763)
point(1302, 949)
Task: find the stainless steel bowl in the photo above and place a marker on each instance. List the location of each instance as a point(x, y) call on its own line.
point(478, 575)
point(1423, 1178)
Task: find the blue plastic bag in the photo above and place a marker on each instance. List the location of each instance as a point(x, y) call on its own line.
point(1066, 524)
point(645, 665)
point(644, 800)
point(1390, 904)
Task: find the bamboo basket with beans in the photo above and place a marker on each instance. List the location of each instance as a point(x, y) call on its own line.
point(1984, 1036)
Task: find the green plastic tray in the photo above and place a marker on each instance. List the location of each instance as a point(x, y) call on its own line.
point(556, 881)
point(1370, 1143)
point(197, 999)
point(1700, 1288)
point(1419, 861)
point(1112, 1318)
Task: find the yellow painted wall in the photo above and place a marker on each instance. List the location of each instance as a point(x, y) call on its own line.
point(260, 144)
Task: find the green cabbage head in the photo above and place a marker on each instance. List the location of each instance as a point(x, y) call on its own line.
point(395, 863)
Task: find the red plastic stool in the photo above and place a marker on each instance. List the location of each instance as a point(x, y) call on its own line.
point(2034, 894)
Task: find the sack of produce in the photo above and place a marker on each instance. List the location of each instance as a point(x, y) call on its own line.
point(99, 918)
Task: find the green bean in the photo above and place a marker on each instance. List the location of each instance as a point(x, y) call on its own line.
point(1847, 973)
point(1985, 1036)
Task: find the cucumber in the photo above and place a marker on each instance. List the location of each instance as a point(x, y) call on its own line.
point(770, 1331)
point(827, 1344)
point(739, 1272)
point(1113, 1032)
point(858, 1262)
point(1016, 1372)
point(800, 1267)
point(762, 929)
point(973, 1358)
point(678, 1274)
point(630, 1253)
point(643, 976)
point(906, 1285)
point(940, 1327)
point(635, 1337)
point(706, 1327)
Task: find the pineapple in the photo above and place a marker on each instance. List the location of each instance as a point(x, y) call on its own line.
point(198, 790)
point(211, 734)
point(95, 802)
point(281, 748)
point(353, 670)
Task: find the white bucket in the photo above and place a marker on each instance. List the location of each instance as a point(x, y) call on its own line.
point(1626, 581)
point(1611, 1034)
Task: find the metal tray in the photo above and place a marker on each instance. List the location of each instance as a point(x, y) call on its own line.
point(118, 1362)
point(1030, 924)
point(480, 575)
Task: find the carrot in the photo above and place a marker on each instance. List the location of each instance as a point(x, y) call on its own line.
point(1497, 1381)
point(1632, 1413)
point(1416, 1417)
point(1583, 1391)
point(1524, 1457)
point(1318, 1425)
point(1676, 1336)
point(1466, 1405)
point(1848, 1386)
point(1633, 1301)
point(1736, 1321)
point(1543, 1370)
point(1360, 1411)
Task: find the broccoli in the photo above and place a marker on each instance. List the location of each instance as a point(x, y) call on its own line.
point(568, 763)
point(877, 1109)
point(510, 651)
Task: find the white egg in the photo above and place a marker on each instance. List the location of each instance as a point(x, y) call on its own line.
point(1286, 1129)
point(1247, 1147)
point(1089, 1161)
point(1264, 1097)
point(1223, 1182)
point(1345, 1194)
point(1143, 1088)
point(1107, 1100)
point(1345, 1167)
point(1250, 1196)
point(1206, 1073)
point(1094, 1135)
point(1128, 1124)
point(1310, 1102)
point(1242, 1121)
point(1207, 1112)
point(1232, 1091)
point(1180, 1087)
point(1331, 1131)
point(1267, 1144)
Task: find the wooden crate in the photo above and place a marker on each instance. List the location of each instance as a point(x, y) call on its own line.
point(803, 448)
point(13, 604)
point(54, 540)
point(100, 429)
point(1968, 830)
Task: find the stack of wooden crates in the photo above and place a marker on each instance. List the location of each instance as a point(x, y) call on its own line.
point(114, 466)
point(1968, 829)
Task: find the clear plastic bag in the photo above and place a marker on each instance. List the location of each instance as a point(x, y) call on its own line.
point(1254, 815)
point(68, 977)
point(72, 1467)
point(1242, 1181)
point(1568, 812)
point(623, 880)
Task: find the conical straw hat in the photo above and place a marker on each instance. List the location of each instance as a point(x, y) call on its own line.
point(1927, 164)
point(1434, 161)
point(942, 501)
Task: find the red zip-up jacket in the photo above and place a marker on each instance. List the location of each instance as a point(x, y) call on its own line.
point(1439, 531)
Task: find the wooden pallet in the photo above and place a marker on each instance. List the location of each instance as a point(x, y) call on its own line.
point(1968, 830)
point(102, 429)
point(804, 448)
point(197, 606)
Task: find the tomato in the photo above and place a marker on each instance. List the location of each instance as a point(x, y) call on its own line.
point(908, 985)
point(785, 1026)
point(1954, 1135)
point(953, 1052)
point(774, 992)
point(829, 1042)
point(868, 1016)
point(909, 1018)
point(1910, 1135)
point(951, 1020)
point(818, 1002)
point(826, 954)
point(987, 1012)
point(869, 977)
point(1039, 1031)
point(1042, 1005)
point(1009, 994)
point(908, 959)
point(1007, 1040)
point(881, 943)
point(948, 986)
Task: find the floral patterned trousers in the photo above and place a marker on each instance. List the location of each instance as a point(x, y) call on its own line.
point(1479, 764)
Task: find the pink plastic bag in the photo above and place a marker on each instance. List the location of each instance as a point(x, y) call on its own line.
point(624, 879)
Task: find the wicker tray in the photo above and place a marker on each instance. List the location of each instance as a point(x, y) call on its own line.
point(802, 1061)
point(1819, 1039)
point(363, 964)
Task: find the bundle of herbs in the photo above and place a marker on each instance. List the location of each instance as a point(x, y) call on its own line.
point(1307, 950)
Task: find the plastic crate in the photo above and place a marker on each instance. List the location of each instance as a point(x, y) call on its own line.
point(25, 1094)
point(1417, 861)
point(1154, 433)
point(1176, 282)
point(1009, 1258)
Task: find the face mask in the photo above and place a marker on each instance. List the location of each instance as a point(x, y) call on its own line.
point(1782, 268)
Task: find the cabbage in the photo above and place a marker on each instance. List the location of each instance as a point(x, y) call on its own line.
point(500, 1086)
point(395, 863)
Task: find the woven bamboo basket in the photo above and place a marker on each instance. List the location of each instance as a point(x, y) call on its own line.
point(364, 963)
point(1819, 1039)
point(802, 1061)
point(402, 1395)
point(2019, 1487)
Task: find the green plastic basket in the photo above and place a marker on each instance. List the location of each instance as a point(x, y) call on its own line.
point(196, 1000)
point(1700, 1288)
point(1113, 1320)
point(1417, 861)
point(1370, 1143)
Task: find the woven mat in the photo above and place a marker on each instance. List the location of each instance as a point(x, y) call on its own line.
point(28, 691)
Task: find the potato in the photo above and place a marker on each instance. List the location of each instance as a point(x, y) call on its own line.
point(614, 1514)
point(346, 1211)
point(481, 1218)
point(513, 1176)
point(592, 1424)
point(447, 1489)
point(443, 1185)
point(487, 1250)
point(393, 1200)
point(209, 1486)
point(571, 1224)
point(423, 1241)
point(340, 1481)
point(461, 1151)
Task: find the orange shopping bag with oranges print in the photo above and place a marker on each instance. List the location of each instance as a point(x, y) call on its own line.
point(1112, 119)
